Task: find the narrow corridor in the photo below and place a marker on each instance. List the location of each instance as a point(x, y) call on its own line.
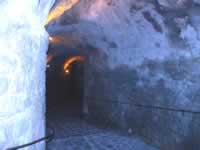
point(65, 115)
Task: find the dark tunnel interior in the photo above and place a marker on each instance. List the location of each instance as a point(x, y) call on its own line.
point(64, 88)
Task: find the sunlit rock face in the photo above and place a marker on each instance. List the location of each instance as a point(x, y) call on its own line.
point(22, 75)
point(147, 53)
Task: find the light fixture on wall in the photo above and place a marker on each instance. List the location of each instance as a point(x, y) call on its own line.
point(50, 38)
point(48, 66)
point(67, 71)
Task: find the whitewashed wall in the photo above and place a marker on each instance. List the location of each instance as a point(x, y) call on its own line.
point(23, 45)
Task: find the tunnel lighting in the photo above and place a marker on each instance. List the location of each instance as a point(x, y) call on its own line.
point(67, 71)
point(56, 39)
point(49, 58)
point(50, 38)
point(69, 61)
point(48, 66)
point(63, 6)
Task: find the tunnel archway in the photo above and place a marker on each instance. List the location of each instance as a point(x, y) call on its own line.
point(64, 84)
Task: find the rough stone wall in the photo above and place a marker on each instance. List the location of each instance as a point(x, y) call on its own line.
point(22, 75)
point(144, 74)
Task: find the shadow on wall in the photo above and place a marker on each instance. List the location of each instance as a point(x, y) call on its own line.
point(147, 100)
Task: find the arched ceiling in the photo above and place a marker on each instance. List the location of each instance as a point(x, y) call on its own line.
point(145, 29)
point(59, 8)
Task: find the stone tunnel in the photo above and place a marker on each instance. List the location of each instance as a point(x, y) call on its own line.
point(104, 74)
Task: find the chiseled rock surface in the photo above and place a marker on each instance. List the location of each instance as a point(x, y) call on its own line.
point(22, 76)
point(144, 52)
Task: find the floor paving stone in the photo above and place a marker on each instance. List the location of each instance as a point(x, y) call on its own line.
point(73, 133)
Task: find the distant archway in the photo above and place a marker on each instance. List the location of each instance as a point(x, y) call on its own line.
point(69, 62)
point(65, 84)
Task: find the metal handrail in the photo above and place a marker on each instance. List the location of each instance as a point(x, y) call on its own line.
point(147, 106)
point(47, 138)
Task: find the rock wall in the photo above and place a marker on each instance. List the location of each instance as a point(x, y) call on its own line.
point(143, 74)
point(22, 75)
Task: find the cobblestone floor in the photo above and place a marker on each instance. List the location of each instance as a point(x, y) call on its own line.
point(101, 141)
point(72, 133)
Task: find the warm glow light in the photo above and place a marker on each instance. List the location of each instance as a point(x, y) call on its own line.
point(48, 66)
point(49, 58)
point(57, 39)
point(50, 38)
point(63, 6)
point(69, 61)
point(67, 71)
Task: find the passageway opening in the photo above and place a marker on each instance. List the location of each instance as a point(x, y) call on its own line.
point(64, 85)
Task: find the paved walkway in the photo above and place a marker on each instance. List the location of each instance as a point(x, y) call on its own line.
point(100, 141)
point(72, 133)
